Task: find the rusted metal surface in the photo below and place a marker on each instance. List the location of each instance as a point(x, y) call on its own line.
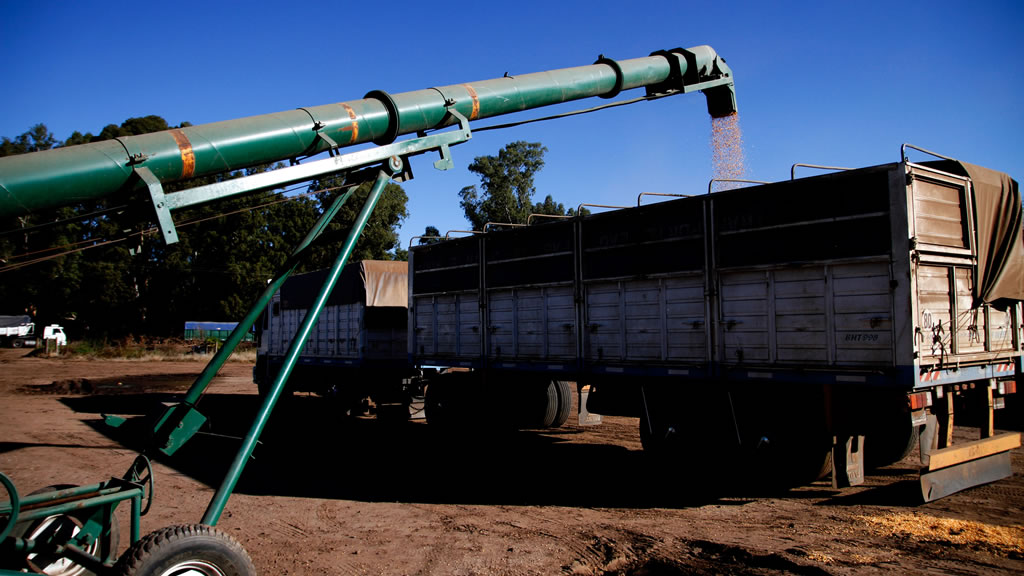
point(188, 156)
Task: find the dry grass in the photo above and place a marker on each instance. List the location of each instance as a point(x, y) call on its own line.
point(1001, 540)
point(143, 349)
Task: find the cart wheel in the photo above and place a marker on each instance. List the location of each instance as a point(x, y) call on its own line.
point(61, 528)
point(195, 550)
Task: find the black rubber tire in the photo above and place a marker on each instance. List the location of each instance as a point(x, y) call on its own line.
point(436, 406)
point(17, 343)
point(189, 549)
point(890, 444)
point(563, 390)
point(547, 404)
point(22, 529)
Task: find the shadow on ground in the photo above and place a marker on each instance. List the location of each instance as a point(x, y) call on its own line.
point(310, 449)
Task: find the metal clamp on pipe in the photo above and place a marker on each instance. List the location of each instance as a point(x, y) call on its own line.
point(393, 124)
point(619, 77)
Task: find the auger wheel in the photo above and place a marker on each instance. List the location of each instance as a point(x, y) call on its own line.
point(190, 550)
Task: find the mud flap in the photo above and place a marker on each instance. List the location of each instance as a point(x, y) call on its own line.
point(847, 461)
point(585, 417)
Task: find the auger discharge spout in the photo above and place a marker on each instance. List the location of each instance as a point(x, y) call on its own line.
point(90, 172)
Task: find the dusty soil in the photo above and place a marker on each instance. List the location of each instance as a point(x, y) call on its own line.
point(328, 494)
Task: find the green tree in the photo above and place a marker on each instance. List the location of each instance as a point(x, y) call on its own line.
point(431, 235)
point(507, 186)
point(37, 138)
point(379, 240)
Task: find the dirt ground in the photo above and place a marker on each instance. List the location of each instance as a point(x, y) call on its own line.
point(328, 494)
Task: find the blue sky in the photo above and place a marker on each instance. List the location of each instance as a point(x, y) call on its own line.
point(841, 83)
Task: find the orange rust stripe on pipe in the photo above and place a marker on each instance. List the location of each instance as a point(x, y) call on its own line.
point(188, 157)
point(476, 102)
point(355, 125)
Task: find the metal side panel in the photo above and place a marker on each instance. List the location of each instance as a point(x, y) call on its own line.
point(644, 320)
point(329, 325)
point(743, 327)
point(422, 331)
point(971, 324)
point(468, 306)
point(604, 324)
point(501, 329)
point(531, 324)
point(685, 321)
point(863, 306)
point(801, 319)
point(446, 326)
point(560, 322)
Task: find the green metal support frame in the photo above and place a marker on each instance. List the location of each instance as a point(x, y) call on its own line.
point(220, 499)
point(163, 203)
point(181, 421)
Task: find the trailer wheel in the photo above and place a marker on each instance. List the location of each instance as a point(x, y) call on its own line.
point(195, 550)
point(17, 343)
point(564, 392)
point(890, 444)
point(436, 405)
point(67, 525)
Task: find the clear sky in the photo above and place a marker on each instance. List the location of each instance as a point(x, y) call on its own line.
point(841, 83)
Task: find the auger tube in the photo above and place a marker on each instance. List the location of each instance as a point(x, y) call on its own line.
point(90, 172)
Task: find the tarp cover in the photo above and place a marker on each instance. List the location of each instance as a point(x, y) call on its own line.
point(12, 321)
point(386, 282)
point(1000, 242)
point(376, 283)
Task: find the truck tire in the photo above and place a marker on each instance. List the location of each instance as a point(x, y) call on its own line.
point(890, 444)
point(563, 390)
point(436, 405)
point(542, 405)
point(195, 550)
point(17, 343)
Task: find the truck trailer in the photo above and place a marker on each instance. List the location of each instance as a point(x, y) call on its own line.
point(17, 331)
point(839, 320)
point(826, 321)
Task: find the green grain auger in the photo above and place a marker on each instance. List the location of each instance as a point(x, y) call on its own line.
point(72, 529)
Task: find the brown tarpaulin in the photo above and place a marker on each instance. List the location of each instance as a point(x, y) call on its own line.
point(1000, 243)
point(386, 282)
point(376, 283)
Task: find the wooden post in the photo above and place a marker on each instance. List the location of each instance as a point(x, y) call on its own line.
point(944, 413)
point(987, 424)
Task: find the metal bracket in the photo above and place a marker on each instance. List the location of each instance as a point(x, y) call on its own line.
point(332, 151)
point(445, 162)
point(156, 194)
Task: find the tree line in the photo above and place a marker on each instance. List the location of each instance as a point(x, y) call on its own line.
point(108, 275)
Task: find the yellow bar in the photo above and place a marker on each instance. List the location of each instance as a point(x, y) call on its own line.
point(973, 450)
